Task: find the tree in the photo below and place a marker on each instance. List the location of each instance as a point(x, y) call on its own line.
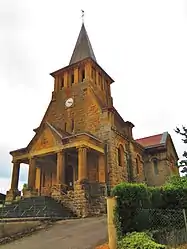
point(25, 186)
point(183, 163)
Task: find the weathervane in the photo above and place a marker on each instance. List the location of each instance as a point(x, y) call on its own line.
point(82, 16)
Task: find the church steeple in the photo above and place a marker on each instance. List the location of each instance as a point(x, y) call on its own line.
point(83, 48)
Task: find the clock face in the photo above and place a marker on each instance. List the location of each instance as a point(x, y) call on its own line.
point(69, 102)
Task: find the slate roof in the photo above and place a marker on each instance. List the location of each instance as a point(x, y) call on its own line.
point(83, 48)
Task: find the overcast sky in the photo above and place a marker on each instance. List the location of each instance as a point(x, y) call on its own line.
point(142, 45)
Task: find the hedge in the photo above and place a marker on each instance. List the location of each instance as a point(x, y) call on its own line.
point(140, 207)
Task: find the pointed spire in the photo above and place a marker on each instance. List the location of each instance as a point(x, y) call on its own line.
point(83, 48)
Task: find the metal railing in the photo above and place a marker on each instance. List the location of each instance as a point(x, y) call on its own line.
point(19, 212)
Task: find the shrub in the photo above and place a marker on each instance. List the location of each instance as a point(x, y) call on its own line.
point(138, 241)
point(131, 196)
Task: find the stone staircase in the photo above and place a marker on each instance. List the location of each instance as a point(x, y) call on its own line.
point(41, 206)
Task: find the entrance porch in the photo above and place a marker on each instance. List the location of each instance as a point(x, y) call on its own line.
point(66, 168)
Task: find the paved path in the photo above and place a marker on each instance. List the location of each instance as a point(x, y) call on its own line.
point(71, 234)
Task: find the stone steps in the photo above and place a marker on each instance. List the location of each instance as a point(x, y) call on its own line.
point(35, 207)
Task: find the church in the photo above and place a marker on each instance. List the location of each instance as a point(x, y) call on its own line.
point(83, 147)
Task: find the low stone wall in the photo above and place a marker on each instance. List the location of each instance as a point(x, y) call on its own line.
point(11, 231)
point(10, 228)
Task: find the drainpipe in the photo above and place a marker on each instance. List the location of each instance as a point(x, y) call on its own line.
point(106, 170)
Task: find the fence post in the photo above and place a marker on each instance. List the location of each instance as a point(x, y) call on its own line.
point(185, 222)
point(112, 235)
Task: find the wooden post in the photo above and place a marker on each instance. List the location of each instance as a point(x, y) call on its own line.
point(112, 234)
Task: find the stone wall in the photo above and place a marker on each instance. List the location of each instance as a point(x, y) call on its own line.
point(11, 228)
point(164, 170)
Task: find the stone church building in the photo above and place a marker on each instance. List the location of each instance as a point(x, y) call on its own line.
point(83, 146)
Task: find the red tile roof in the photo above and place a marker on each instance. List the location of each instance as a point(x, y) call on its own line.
point(150, 141)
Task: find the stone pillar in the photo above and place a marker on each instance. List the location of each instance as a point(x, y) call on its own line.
point(88, 71)
point(76, 75)
point(102, 169)
point(13, 192)
point(38, 179)
point(31, 190)
point(82, 163)
point(112, 233)
point(60, 168)
point(15, 176)
point(32, 173)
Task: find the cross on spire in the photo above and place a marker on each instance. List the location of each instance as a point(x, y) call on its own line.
point(82, 16)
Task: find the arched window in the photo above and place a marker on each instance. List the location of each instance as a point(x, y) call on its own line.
point(72, 78)
point(62, 82)
point(82, 75)
point(121, 155)
point(155, 165)
point(137, 166)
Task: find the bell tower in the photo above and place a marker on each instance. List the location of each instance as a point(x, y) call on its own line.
point(83, 68)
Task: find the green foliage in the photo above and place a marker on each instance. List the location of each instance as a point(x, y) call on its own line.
point(131, 195)
point(156, 197)
point(140, 207)
point(177, 181)
point(183, 133)
point(25, 186)
point(138, 241)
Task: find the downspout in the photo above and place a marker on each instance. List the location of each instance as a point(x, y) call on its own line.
point(107, 193)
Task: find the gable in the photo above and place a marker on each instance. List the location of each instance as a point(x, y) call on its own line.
point(171, 151)
point(44, 139)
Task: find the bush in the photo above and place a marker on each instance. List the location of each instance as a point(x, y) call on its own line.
point(131, 196)
point(160, 202)
point(138, 241)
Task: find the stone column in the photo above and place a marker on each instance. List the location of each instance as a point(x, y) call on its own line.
point(60, 174)
point(32, 173)
point(102, 169)
point(82, 163)
point(15, 175)
point(13, 192)
point(38, 179)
